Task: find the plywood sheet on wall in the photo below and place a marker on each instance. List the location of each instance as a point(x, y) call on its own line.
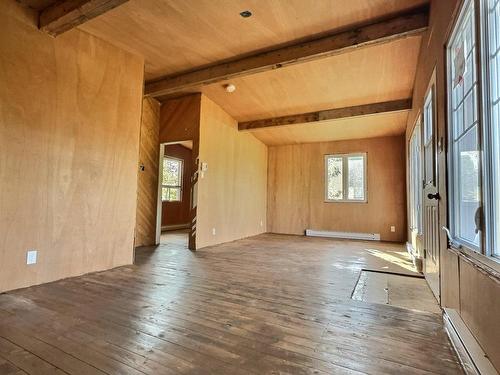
point(296, 189)
point(180, 119)
point(147, 184)
point(69, 133)
point(480, 308)
point(232, 193)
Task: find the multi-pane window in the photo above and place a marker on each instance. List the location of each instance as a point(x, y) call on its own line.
point(474, 138)
point(464, 140)
point(171, 187)
point(345, 177)
point(416, 181)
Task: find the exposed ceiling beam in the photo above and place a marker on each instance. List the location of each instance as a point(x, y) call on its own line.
point(397, 27)
point(65, 15)
point(329, 114)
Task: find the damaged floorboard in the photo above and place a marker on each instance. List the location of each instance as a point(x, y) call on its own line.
point(269, 304)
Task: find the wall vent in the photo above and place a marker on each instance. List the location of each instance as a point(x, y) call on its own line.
point(347, 235)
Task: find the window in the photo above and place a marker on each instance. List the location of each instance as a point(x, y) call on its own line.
point(474, 139)
point(416, 181)
point(464, 140)
point(345, 177)
point(171, 187)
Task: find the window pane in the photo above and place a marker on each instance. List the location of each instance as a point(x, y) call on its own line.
point(174, 194)
point(356, 177)
point(171, 172)
point(334, 176)
point(468, 186)
point(429, 145)
point(164, 194)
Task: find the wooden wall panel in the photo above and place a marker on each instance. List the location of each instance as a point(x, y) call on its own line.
point(232, 192)
point(480, 308)
point(180, 119)
point(147, 184)
point(70, 113)
point(296, 189)
point(450, 291)
point(178, 213)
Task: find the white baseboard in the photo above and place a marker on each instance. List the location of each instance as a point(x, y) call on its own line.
point(346, 235)
point(472, 357)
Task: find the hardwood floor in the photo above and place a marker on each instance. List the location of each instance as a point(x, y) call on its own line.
point(269, 304)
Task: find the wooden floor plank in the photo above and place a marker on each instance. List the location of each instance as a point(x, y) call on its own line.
point(263, 305)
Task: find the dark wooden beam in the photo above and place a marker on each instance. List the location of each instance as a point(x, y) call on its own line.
point(330, 114)
point(397, 27)
point(65, 15)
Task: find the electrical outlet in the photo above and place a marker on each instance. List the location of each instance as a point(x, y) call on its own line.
point(213, 231)
point(393, 228)
point(31, 256)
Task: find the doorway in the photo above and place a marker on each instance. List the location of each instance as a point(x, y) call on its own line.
point(175, 193)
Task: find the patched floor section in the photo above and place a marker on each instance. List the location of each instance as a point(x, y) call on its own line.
point(407, 291)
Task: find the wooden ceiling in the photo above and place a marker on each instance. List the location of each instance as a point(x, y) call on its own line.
point(380, 73)
point(178, 36)
point(380, 125)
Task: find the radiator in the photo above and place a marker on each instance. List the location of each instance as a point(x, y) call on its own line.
point(348, 235)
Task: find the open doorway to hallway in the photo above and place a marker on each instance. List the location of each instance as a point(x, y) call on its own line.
point(175, 192)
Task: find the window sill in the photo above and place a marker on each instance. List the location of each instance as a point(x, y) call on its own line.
point(487, 265)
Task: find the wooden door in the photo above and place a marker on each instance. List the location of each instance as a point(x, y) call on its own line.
point(431, 196)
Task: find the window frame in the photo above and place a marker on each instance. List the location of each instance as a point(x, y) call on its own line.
point(345, 177)
point(484, 253)
point(181, 176)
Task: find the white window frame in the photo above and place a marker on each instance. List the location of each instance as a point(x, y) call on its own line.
point(416, 178)
point(485, 251)
point(345, 176)
point(454, 184)
point(181, 176)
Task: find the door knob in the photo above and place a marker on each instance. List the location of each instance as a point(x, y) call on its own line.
point(434, 196)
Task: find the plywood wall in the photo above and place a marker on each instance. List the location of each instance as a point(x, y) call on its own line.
point(463, 287)
point(147, 184)
point(69, 134)
point(232, 192)
point(296, 191)
point(180, 119)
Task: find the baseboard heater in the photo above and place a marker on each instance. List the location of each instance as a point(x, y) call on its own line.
point(472, 357)
point(346, 235)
